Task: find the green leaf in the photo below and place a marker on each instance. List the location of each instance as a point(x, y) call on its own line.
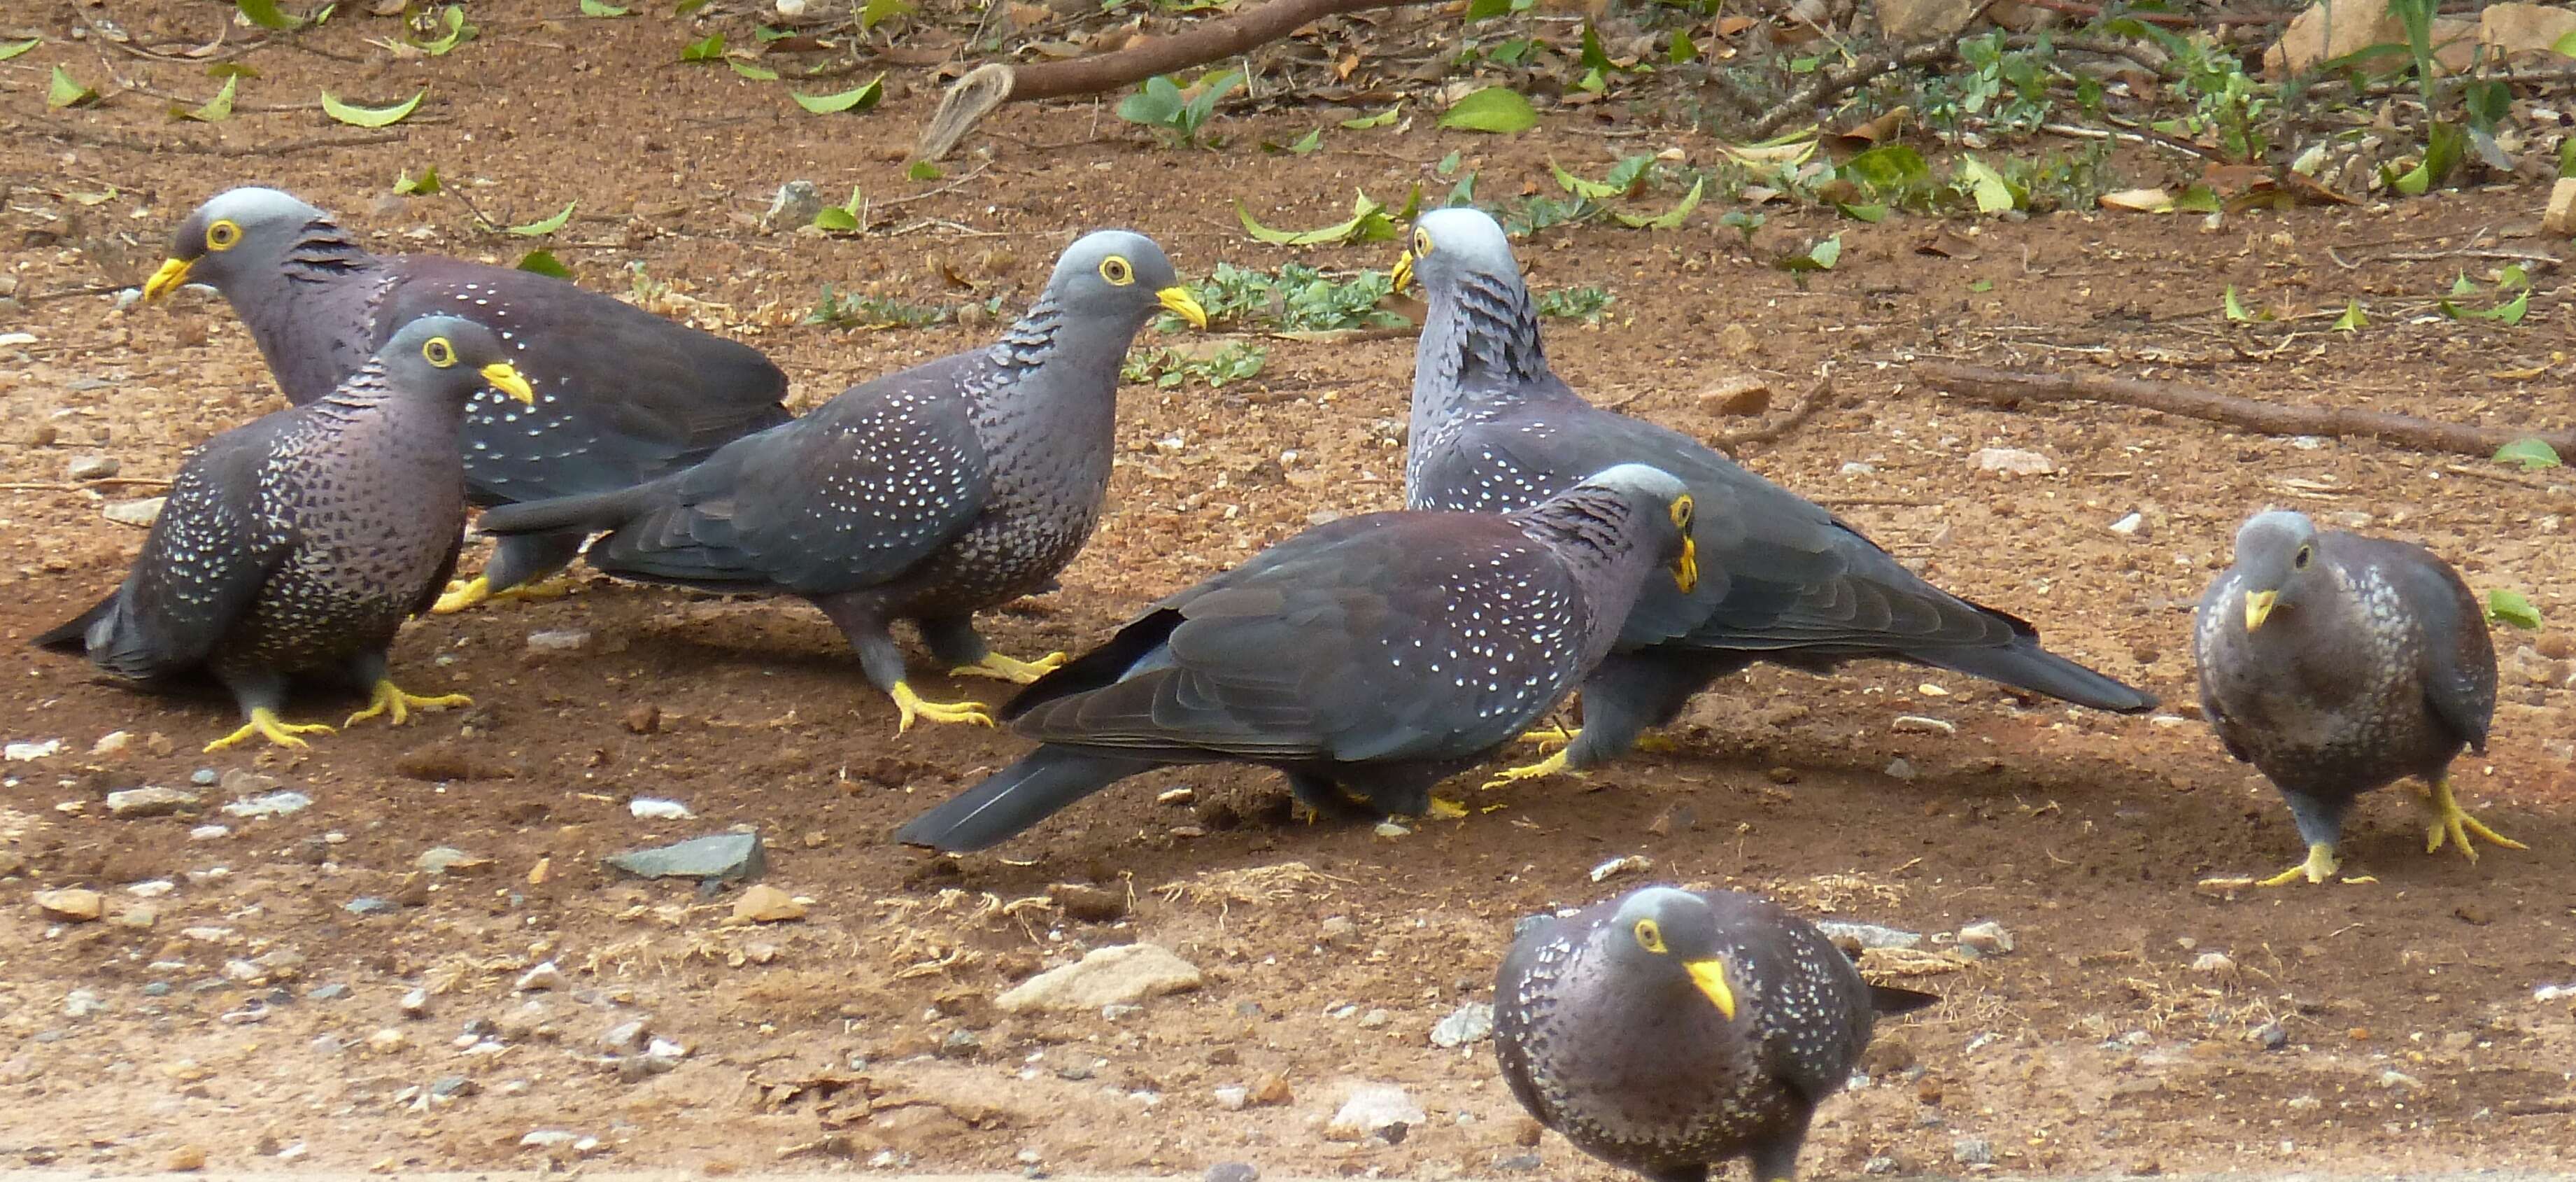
point(1485, 10)
point(2531, 453)
point(858, 98)
point(2512, 276)
point(2566, 46)
point(544, 262)
point(2511, 313)
point(1369, 223)
point(1211, 87)
point(10, 49)
point(603, 11)
point(458, 32)
point(2199, 198)
point(1672, 218)
point(539, 229)
point(265, 14)
point(1380, 119)
point(705, 49)
point(755, 73)
point(1864, 213)
point(2234, 308)
point(1589, 54)
point(216, 110)
point(877, 12)
point(417, 186)
point(225, 70)
point(1681, 49)
point(63, 92)
point(2352, 320)
point(1887, 167)
point(1309, 142)
point(1992, 192)
point(923, 170)
point(685, 7)
point(1495, 108)
point(2462, 287)
point(836, 219)
point(1448, 166)
point(1595, 190)
point(1156, 103)
point(371, 116)
point(1982, 286)
point(1820, 257)
point(2511, 608)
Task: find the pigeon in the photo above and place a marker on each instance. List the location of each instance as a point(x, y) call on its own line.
point(1367, 658)
point(623, 396)
point(2337, 663)
point(928, 495)
point(298, 543)
point(1493, 428)
point(1668, 1031)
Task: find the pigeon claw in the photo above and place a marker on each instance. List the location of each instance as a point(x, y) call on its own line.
point(396, 704)
point(264, 723)
point(1545, 767)
point(912, 707)
point(2453, 825)
point(2319, 867)
point(465, 593)
point(999, 667)
point(1550, 737)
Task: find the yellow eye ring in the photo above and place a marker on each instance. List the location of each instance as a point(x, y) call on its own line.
point(1421, 241)
point(223, 235)
point(438, 352)
point(1650, 936)
point(1116, 270)
point(1682, 511)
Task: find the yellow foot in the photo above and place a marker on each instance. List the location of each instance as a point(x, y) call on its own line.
point(393, 700)
point(1550, 737)
point(1446, 808)
point(2451, 823)
point(912, 706)
point(2319, 867)
point(995, 665)
point(1545, 767)
point(265, 724)
point(466, 593)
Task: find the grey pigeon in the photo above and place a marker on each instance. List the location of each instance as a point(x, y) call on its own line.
point(623, 396)
point(298, 543)
point(1494, 428)
point(1673, 1031)
point(1668, 1032)
point(1367, 658)
point(927, 495)
point(2337, 663)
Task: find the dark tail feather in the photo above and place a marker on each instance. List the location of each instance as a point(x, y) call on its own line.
point(595, 513)
point(2027, 666)
point(71, 637)
point(1015, 798)
point(1887, 999)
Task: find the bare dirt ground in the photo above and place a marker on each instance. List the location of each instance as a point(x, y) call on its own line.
point(2411, 1038)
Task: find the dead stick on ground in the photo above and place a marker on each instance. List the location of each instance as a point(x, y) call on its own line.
point(2173, 398)
point(989, 86)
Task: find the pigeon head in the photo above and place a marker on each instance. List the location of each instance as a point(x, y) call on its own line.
point(1662, 510)
point(2277, 551)
point(1451, 244)
point(1667, 934)
point(451, 356)
point(235, 234)
point(1120, 276)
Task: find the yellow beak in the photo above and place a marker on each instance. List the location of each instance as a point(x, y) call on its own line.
point(1183, 304)
point(1686, 572)
point(505, 378)
point(2258, 605)
point(1710, 976)
point(1403, 274)
point(173, 272)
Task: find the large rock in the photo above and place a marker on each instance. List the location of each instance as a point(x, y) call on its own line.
point(2331, 29)
point(723, 856)
point(1104, 976)
point(1923, 20)
point(2510, 30)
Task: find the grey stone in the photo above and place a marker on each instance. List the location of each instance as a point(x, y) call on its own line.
point(415, 1003)
point(1122, 973)
point(331, 992)
point(1232, 1171)
point(452, 1087)
point(1472, 1022)
point(1518, 1163)
point(1987, 937)
point(149, 802)
point(203, 777)
point(960, 1044)
point(81, 1003)
point(558, 640)
point(139, 512)
point(1852, 936)
point(794, 207)
point(92, 467)
point(722, 856)
point(156, 989)
point(272, 804)
point(1375, 1110)
point(368, 905)
point(1972, 1151)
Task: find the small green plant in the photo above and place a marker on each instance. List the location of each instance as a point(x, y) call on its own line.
point(1164, 104)
point(1587, 304)
point(1171, 368)
point(2229, 108)
point(1294, 298)
point(2001, 89)
point(858, 311)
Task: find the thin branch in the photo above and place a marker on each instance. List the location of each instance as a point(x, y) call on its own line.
point(2006, 389)
point(1802, 102)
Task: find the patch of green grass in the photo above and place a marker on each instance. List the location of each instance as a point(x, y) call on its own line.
point(1294, 298)
point(1587, 304)
point(857, 311)
point(1173, 368)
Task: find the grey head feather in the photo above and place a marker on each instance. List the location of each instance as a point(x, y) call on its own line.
point(247, 242)
point(1103, 289)
point(2276, 550)
point(1482, 329)
point(414, 368)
